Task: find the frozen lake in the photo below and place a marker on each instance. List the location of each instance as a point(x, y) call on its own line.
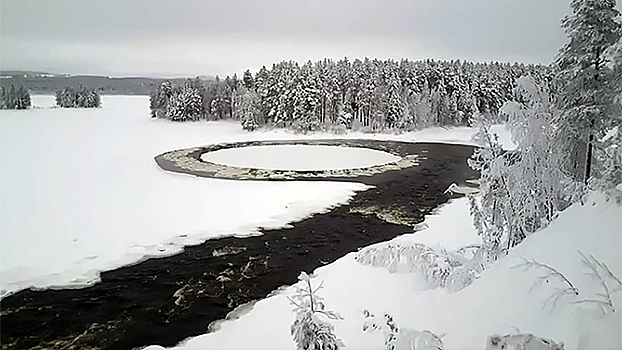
point(81, 193)
point(299, 157)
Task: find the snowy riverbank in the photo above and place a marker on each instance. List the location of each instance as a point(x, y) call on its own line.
point(499, 302)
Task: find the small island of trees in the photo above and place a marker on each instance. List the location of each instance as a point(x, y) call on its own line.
point(82, 97)
point(12, 98)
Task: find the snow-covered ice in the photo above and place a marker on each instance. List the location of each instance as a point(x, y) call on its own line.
point(300, 157)
point(80, 192)
point(499, 302)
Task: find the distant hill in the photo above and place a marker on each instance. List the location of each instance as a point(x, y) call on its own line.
point(48, 83)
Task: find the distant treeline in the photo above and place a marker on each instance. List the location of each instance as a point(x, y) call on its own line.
point(43, 83)
point(368, 94)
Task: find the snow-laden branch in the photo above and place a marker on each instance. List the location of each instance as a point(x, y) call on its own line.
point(550, 272)
point(601, 272)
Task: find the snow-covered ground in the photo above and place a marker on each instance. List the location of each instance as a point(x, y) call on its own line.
point(299, 157)
point(80, 192)
point(501, 301)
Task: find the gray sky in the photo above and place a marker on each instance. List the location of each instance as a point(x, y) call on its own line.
point(197, 37)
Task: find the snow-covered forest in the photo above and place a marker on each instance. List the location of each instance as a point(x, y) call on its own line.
point(368, 94)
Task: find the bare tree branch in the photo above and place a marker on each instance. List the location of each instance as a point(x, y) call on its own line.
point(603, 300)
point(551, 272)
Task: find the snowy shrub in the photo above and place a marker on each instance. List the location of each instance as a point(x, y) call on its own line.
point(393, 257)
point(396, 338)
point(310, 331)
point(460, 278)
point(483, 124)
point(441, 269)
point(521, 341)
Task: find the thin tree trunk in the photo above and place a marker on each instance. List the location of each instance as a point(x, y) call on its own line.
point(588, 160)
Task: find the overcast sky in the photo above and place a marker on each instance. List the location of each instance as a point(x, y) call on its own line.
point(209, 37)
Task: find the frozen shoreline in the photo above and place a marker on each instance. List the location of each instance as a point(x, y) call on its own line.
point(113, 209)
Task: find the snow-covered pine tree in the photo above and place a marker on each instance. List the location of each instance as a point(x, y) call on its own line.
point(185, 105)
point(88, 98)
point(588, 94)
point(4, 95)
point(22, 98)
point(158, 99)
point(247, 80)
point(247, 109)
point(310, 331)
point(392, 95)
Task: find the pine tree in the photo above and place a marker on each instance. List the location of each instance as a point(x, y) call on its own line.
point(247, 80)
point(3, 98)
point(158, 99)
point(248, 111)
point(310, 331)
point(587, 97)
point(186, 105)
point(22, 98)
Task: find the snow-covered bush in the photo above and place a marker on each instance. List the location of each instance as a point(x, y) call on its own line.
point(440, 268)
point(396, 338)
point(310, 331)
point(521, 341)
point(393, 257)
